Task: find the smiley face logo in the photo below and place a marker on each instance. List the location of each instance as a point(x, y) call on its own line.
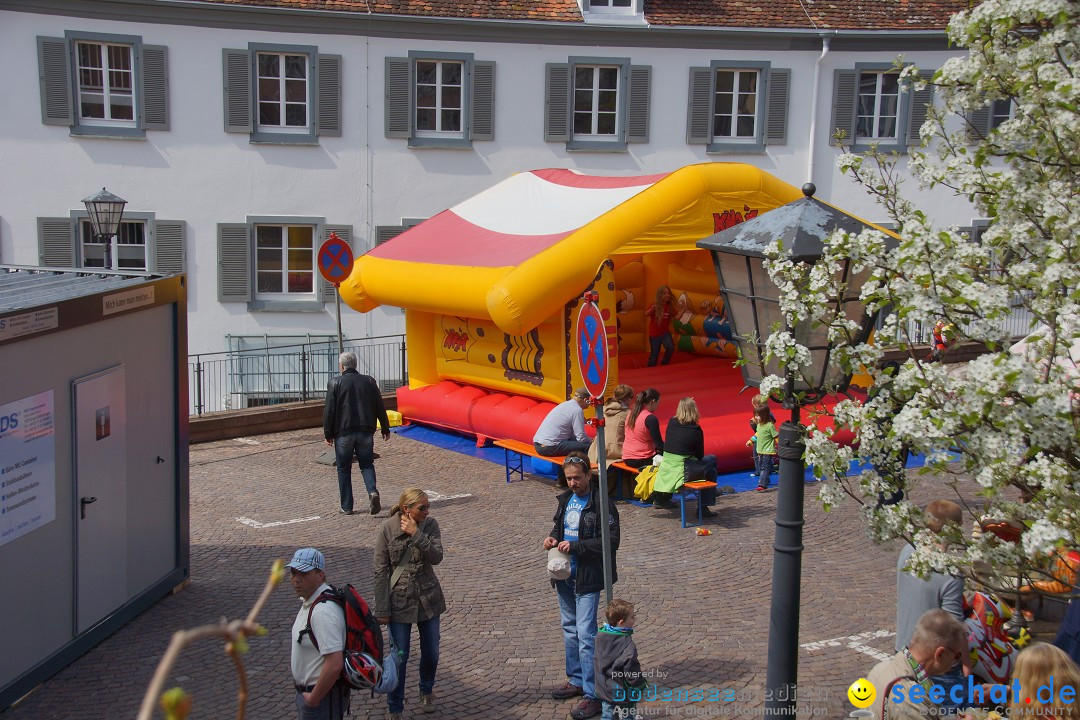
point(862, 693)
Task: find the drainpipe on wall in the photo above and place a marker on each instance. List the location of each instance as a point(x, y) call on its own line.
point(813, 109)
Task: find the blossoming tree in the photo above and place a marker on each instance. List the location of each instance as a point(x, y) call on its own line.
point(1009, 419)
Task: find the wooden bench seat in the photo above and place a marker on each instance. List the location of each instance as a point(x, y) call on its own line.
point(515, 457)
point(692, 491)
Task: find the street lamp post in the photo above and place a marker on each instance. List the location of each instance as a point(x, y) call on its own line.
point(105, 211)
point(752, 303)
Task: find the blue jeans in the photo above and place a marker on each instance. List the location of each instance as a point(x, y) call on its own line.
point(429, 658)
point(654, 349)
point(563, 447)
point(767, 465)
point(360, 445)
point(578, 616)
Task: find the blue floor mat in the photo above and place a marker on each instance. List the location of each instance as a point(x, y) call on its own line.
point(741, 480)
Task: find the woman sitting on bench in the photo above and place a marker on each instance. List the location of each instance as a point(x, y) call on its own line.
point(684, 456)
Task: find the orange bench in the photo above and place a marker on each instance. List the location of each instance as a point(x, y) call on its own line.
point(516, 466)
point(690, 491)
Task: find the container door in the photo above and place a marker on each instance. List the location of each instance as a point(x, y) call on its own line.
point(100, 426)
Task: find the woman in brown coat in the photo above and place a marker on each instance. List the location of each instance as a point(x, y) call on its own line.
point(407, 548)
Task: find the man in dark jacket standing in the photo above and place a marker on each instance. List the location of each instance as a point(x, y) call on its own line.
point(353, 405)
point(576, 532)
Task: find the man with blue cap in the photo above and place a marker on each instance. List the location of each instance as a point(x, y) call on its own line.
point(319, 630)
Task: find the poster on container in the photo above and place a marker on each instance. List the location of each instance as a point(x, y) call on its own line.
point(27, 466)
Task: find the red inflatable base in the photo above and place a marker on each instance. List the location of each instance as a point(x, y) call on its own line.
point(714, 383)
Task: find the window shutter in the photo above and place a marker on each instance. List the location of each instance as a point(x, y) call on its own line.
point(54, 72)
point(328, 119)
point(155, 87)
point(483, 101)
point(398, 99)
point(699, 107)
point(326, 291)
point(557, 102)
point(776, 107)
point(234, 262)
point(56, 242)
point(238, 111)
point(637, 115)
point(843, 116)
point(384, 233)
point(168, 246)
point(978, 123)
point(921, 101)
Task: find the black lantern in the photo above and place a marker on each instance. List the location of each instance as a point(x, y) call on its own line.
point(752, 300)
point(752, 303)
point(105, 211)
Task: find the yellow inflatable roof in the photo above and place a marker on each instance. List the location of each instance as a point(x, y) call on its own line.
point(517, 252)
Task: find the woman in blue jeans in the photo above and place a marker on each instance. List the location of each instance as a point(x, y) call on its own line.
point(407, 593)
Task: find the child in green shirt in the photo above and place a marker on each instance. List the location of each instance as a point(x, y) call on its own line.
point(764, 441)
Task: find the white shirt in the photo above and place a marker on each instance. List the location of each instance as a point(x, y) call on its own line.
point(328, 627)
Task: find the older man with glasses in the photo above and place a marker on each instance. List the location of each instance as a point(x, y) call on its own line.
point(576, 532)
point(903, 683)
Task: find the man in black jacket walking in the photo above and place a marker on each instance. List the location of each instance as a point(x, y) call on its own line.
point(353, 405)
point(576, 532)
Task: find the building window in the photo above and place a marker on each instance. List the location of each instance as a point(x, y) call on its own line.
point(143, 243)
point(125, 251)
point(738, 107)
point(103, 85)
point(879, 105)
point(1000, 111)
point(735, 105)
point(282, 94)
point(596, 101)
point(439, 94)
point(285, 261)
point(444, 100)
point(106, 75)
point(612, 10)
point(269, 262)
point(872, 108)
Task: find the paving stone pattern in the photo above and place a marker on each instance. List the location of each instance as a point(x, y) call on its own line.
point(702, 602)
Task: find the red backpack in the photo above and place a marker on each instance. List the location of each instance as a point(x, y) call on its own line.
point(363, 636)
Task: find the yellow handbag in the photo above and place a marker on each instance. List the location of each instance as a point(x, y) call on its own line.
point(645, 479)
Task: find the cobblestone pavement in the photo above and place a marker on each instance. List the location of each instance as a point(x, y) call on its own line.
point(702, 602)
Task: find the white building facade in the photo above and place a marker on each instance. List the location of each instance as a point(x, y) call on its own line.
point(241, 136)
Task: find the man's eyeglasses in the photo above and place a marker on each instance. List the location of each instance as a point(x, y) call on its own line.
point(573, 460)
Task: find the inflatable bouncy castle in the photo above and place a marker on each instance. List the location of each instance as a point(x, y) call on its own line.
point(491, 289)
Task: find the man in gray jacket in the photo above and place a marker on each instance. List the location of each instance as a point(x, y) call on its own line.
point(353, 405)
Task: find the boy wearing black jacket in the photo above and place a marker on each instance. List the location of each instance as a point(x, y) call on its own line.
point(618, 674)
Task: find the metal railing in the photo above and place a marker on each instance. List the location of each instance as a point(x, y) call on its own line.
point(271, 375)
point(1017, 326)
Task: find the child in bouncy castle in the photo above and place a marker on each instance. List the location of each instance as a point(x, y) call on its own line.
point(759, 401)
point(659, 315)
point(764, 441)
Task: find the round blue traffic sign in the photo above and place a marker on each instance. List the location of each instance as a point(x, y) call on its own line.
point(592, 348)
point(335, 259)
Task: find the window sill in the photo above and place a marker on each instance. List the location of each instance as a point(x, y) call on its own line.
point(108, 133)
point(629, 19)
point(266, 139)
point(419, 143)
point(735, 149)
point(285, 306)
point(598, 147)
